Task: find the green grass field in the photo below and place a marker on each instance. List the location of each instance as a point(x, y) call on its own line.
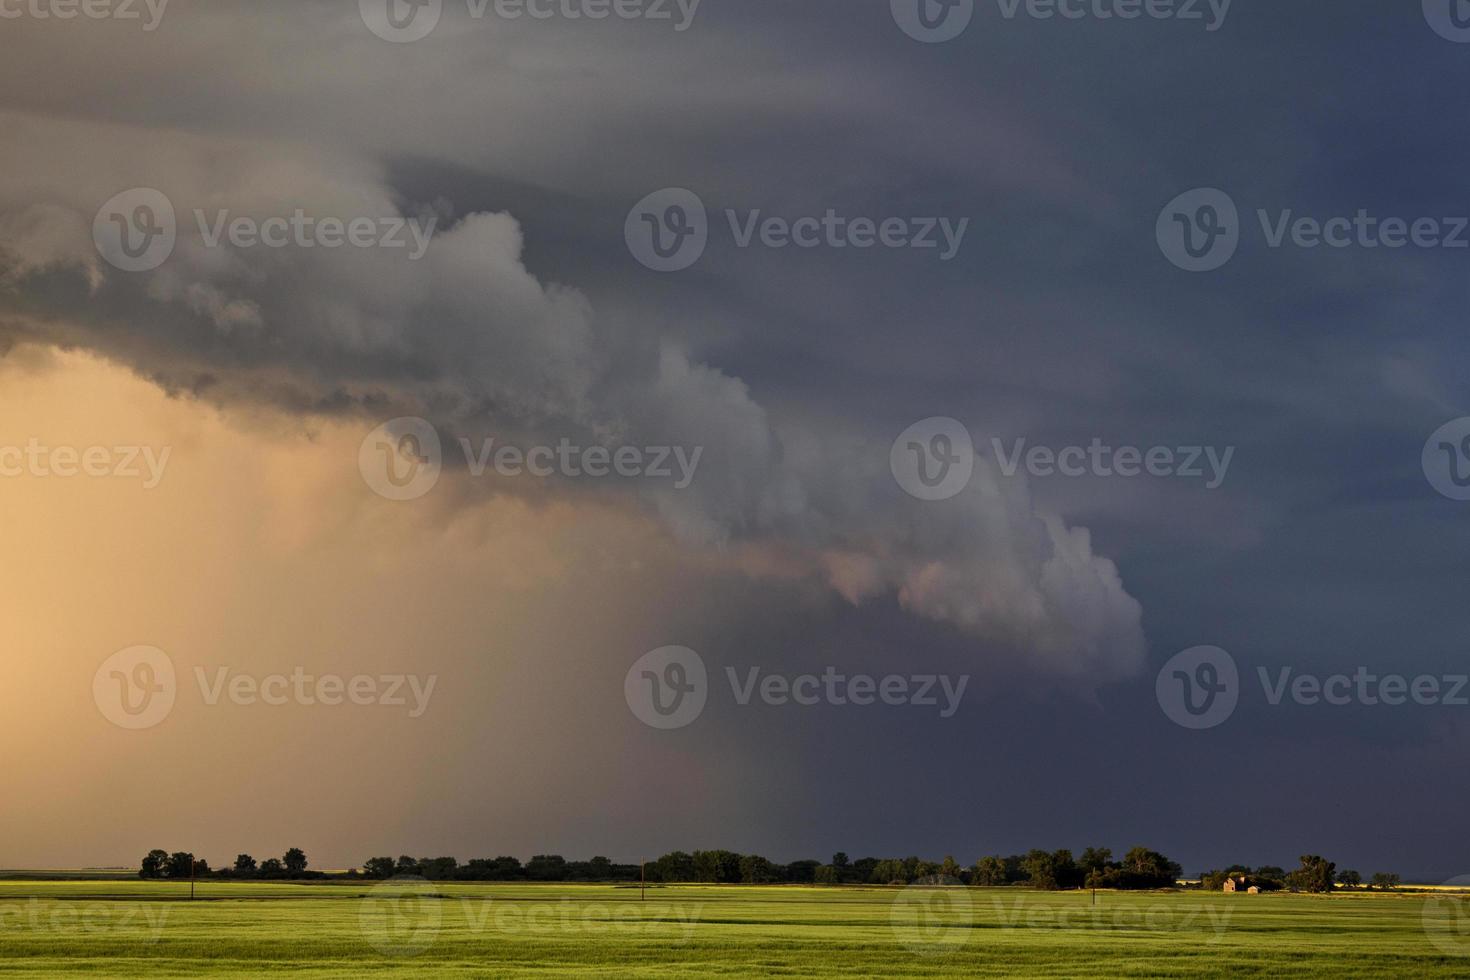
point(119, 928)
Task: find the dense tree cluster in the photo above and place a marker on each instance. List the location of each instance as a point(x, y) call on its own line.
point(1316, 874)
point(181, 864)
point(1140, 868)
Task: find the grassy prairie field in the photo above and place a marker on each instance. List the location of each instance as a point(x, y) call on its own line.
point(118, 928)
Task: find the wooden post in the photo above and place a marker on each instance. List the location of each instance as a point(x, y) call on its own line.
point(193, 869)
point(642, 882)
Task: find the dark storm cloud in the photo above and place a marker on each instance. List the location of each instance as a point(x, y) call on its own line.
point(1059, 321)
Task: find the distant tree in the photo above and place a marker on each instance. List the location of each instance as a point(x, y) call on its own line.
point(1068, 874)
point(1143, 868)
point(990, 871)
point(1271, 873)
point(378, 867)
point(1349, 879)
point(1213, 881)
point(888, 872)
point(155, 865)
point(407, 866)
point(826, 875)
point(804, 872)
point(673, 866)
point(1385, 881)
point(272, 868)
point(756, 870)
point(1041, 871)
point(201, 868)
point(295, 861)
point(717, 867)
point(600, 869)
point(1315, 875)
point(546, 867)
point(438, 869)
point(245, 865)
point(1095, 859)
point(180, 865)
point(949, 868)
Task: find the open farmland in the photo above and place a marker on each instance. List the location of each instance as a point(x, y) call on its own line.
point(135, 928)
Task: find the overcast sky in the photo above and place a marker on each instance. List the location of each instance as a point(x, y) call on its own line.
point(1045, 158)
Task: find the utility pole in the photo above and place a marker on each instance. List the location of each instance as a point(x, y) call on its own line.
point(642, 881)
point(193, 870)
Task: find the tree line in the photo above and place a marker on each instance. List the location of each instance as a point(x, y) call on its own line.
point(181, 864)
point(1317, 874)
point(1139, 868)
